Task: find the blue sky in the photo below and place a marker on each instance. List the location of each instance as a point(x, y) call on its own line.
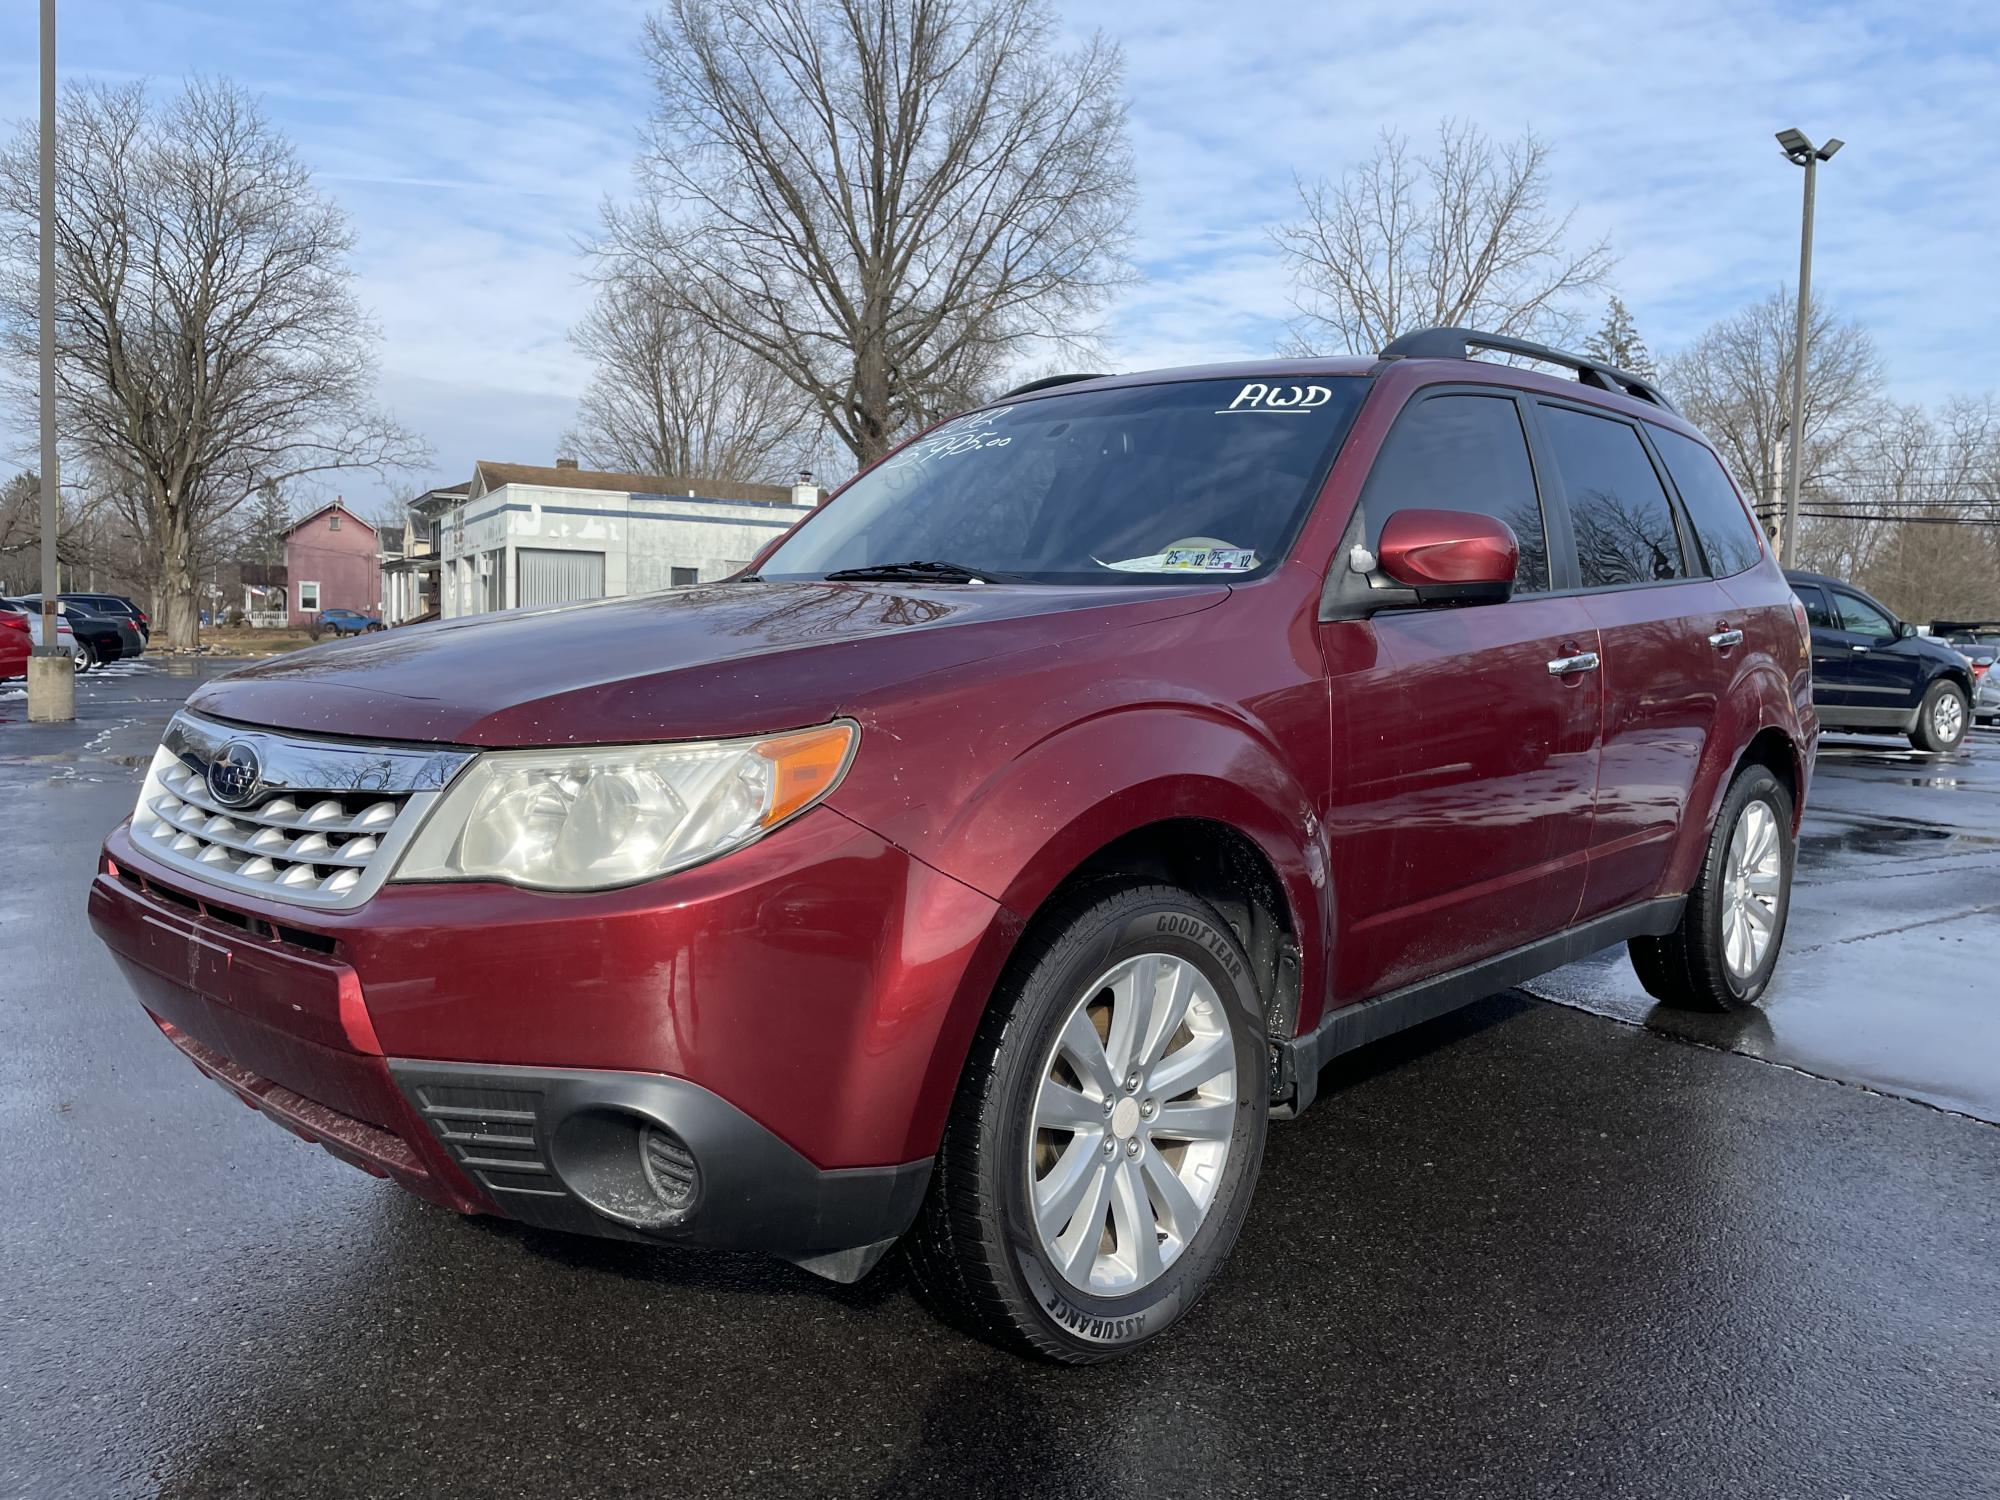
point(472, 144)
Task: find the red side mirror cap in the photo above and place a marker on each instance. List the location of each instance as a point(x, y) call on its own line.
point(1450, 556)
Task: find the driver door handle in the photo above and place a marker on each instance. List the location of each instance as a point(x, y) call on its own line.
point(1583, 661)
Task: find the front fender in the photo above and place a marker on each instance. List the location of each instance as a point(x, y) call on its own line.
point(1038, 816)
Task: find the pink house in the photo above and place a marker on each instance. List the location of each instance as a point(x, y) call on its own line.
point(333, 561)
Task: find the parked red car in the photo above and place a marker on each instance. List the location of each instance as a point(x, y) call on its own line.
point(987, 866)
point(17, 644)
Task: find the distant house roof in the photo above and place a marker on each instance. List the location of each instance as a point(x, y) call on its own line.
point(392, 538)
point(444, 497)
point(488, 476)
point(336, 505)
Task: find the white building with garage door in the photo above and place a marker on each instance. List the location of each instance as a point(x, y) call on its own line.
point(527, 537)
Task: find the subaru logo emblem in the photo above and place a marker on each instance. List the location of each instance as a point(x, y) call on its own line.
point(235, 774)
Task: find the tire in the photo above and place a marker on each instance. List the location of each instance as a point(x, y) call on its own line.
point(978, 1253)
point(87, 653)
point(80, 658)
point(1942, 719)
point(1703, 964)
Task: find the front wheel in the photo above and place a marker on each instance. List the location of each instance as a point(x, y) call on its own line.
point(1942, 720)
point(1102, 1149)
point(1721, 955)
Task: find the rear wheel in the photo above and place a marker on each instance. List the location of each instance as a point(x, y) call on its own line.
point(1941, 722)
point(1722, 954)
point(1105, 1140)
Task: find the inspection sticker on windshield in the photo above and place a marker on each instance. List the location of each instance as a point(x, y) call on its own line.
point(1188, 560)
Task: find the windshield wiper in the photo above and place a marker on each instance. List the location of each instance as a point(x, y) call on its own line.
point(929, 572)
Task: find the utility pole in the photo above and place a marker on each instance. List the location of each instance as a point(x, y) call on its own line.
point(1801, 152)
point(51, 673)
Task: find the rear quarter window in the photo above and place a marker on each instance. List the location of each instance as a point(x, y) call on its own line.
point(1722, 527)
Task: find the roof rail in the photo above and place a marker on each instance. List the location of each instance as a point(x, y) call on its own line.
point(1048, 380)
point(1458, 343)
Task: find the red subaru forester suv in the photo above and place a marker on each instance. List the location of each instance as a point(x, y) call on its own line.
point(984, 867)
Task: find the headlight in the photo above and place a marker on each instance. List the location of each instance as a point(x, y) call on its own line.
point(575, 820)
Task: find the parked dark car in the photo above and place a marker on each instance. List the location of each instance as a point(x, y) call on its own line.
point(107, 638)
point(347, 622)
point(1874, 673)
point(986, 865)
point(114, 605)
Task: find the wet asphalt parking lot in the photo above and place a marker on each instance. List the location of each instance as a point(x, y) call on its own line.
point(1557, 1244)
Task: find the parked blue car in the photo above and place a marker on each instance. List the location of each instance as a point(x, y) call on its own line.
point(347, 621)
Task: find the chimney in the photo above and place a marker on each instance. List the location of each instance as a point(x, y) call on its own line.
point(805, 492)
point(565, 463)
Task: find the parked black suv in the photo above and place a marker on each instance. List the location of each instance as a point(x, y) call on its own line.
point(1874, 673)
point(113, 605)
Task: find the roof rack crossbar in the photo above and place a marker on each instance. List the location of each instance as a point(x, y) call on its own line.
point(1458, 343)
point(1048, 380)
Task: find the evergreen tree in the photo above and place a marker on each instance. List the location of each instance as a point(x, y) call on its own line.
point(270, 519)
point(1617, 342)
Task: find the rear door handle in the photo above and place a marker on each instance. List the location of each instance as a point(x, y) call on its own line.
point(1583, 661)
point(1722, 640)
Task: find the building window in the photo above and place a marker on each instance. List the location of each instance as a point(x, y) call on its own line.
point(680, 578)
point(309, 597)
point(333, 522)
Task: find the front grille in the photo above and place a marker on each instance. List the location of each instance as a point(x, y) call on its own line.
point(312, 821)
point(319, 844)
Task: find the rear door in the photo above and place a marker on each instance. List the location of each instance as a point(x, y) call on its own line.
point(1831, 674)
point(1670, 637)
point(1463, 767)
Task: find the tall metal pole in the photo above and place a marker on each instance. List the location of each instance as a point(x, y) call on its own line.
point(1797, 467)
point(51, 687)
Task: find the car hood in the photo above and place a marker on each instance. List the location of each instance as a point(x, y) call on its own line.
point(711, 661)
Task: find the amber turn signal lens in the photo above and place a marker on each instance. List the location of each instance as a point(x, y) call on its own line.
point(805, 765)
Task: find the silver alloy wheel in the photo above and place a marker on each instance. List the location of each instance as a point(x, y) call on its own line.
point(1947, 716)
point(1134, 1114)
point(1752, 878)
point(79, 658)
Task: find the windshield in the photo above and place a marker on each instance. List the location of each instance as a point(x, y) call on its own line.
point(1195, 480)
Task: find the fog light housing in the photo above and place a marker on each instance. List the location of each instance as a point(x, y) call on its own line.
point(627, 1167)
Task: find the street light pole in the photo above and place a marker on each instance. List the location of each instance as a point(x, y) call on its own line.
point(1801, 152)
point(51, 673)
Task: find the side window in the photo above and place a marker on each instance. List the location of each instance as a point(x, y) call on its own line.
point(1814, 599)
point(1863, 618)
point(1723, 527)
point(1623, 521)
point(1462, 452)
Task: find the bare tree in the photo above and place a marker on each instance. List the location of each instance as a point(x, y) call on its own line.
point(1460, 237)
point(208, 340)
point(670, 396)
point(883, 199)
point(1734, 382)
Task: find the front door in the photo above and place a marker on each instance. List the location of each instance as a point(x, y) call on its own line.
point(1882, 674)
point(1463, 765)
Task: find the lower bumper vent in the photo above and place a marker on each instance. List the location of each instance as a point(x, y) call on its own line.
point(669, 1167)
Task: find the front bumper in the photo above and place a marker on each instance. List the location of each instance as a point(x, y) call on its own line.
point(761, 1064)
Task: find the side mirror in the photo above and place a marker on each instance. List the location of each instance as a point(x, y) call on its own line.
point(1904, 630)
point(1450, 556)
